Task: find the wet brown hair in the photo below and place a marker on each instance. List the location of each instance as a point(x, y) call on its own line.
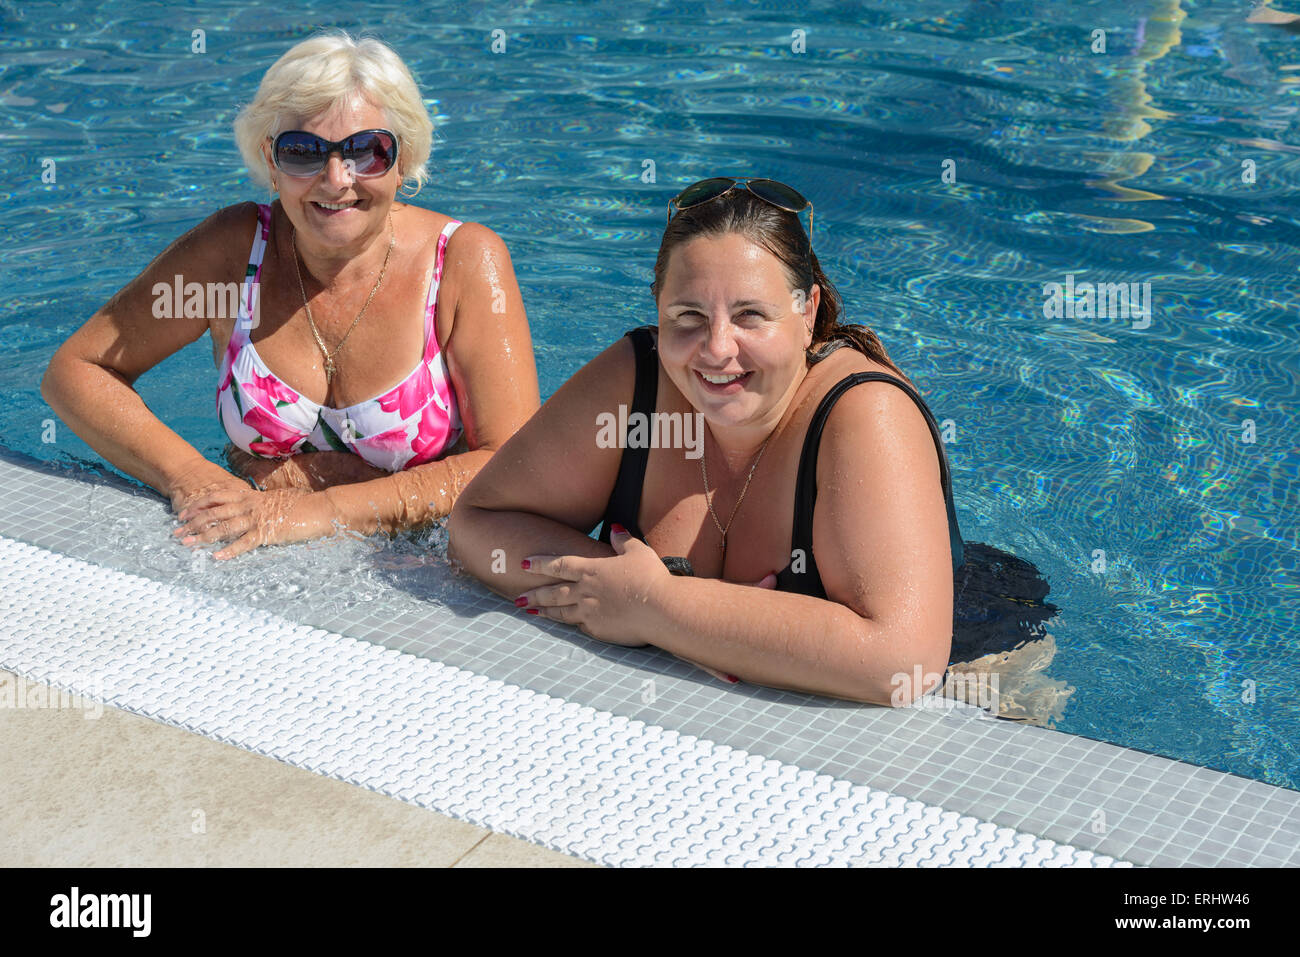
point(781, 234)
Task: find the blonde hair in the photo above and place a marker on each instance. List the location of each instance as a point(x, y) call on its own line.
point(329, 70)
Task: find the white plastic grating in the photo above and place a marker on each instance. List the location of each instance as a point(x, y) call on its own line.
point(585, 782)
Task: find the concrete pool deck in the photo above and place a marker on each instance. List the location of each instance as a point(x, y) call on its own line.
point(611, 755)
point(143, 794)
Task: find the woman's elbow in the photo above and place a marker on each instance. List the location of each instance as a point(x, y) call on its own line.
point(455, 527)
point(55, 379)
point(916, 675)
point(460, 527)
point(914, 671)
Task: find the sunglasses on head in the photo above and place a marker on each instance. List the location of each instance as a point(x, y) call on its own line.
point(768, 190)
point(367, 153)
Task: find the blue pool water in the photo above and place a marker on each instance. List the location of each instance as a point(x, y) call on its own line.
point(1073, 434)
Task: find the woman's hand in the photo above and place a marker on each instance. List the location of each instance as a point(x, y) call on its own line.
point(601, 595)
point(604, 597)
point(203, 479)
point(251, 518)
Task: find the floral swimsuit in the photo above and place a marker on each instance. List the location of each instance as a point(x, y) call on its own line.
point(410, 424)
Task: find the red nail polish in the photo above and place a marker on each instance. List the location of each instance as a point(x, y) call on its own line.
point(521, 601)
point(531, 611)
point(525, 564)
point(617, 529)
point(732, 678)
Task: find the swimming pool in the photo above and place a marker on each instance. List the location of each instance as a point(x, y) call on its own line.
point(1074, 436)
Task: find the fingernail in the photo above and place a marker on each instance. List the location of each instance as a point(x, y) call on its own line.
point(521, 601)
point(525, 564)
point(617, 529)
point(187, 539)
point(531, 611)
point(732, 678)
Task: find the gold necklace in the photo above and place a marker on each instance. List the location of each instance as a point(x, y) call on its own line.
point(704, 470)
point(330, 368)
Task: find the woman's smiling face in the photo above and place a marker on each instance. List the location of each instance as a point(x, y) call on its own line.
point(365, 201)
point(731, 333)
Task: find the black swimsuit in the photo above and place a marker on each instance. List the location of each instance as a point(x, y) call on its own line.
point(625, 501)
point(997, 597)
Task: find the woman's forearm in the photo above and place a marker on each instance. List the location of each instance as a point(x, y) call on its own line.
point(491, 544)
point(101, 407)
point(783, 640)
point(309, 471)
point(772, 638)
point(407, 499)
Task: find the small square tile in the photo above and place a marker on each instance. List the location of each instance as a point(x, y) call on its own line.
point(1188, 839)
point(1216, 848)
point(1160, 832)
point(1272, 857)
point(1250, 843)
point(1064, 793)
point(1273, 820)
point(1128, 794)
point(1123, 836)
point(1082, 780)
point(1144, 848)
point(1003, 789)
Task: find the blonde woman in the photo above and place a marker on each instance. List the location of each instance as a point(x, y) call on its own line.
point(380, 353)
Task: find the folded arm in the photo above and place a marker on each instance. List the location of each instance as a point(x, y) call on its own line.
point(89, 382)
point(880, 535)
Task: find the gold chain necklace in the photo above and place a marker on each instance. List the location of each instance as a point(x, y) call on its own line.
point(330, 368)
point(704, 470)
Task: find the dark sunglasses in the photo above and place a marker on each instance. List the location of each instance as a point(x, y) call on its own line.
point(768, 190)
point(302, 154)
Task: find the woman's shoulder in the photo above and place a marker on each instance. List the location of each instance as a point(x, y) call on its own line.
point(237, 219)
point(466, 239)
point(216, 245)
point(846, 361)
point(874, 414)
point(472, 249)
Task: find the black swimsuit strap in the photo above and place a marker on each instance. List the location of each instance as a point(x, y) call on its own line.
point(805, 497)
point(625, 501)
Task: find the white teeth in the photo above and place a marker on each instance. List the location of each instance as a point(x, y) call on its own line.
point(722, 379)
point(337, 205)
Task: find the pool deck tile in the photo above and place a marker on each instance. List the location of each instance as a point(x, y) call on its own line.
point(1139, 807)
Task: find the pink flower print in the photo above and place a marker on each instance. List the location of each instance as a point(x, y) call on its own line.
point(431, 438)
point(267, 390)
point(280, 438)
point(395, 442)
point(408, 397)
point(232, 350)
point(268, 450)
